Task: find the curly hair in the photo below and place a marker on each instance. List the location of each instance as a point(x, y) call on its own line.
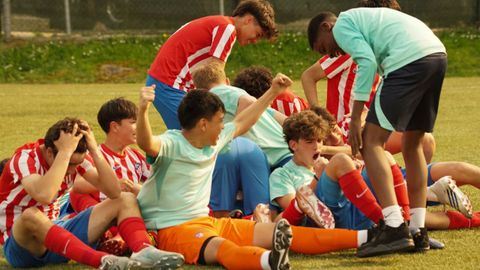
point(305, 125)
point(393, 4)
point(65, 125)
point(263, 12)
point(256, 80)
point(325, 115)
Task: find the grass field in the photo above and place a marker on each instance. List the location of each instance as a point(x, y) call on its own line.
point(28, 110)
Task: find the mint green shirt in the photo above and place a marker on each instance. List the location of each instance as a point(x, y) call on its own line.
point(266, 133)
point(383, 40)
point(178, 189)
point(287, 179)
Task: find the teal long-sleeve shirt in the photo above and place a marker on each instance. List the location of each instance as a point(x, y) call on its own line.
point(382, 40)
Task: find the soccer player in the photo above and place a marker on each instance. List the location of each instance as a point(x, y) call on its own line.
point(412, 61)
point(257, 79)
point(204, 40)
point(33, 180)
point(174, 199)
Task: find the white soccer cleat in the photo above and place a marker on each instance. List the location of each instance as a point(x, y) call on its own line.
point(261, 214)
point(447, 192)
point(153, 258)
point(112, 262)
point(315, 209)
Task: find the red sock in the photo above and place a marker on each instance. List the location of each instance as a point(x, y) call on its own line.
point(133, 231)
point(81, 202)
point(355, 189)
point(64, 243)
point(459, 221)
point(291, 214)
point(401, 191)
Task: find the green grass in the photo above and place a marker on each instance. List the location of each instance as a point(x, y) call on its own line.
point(28, 110)
point(81, 60)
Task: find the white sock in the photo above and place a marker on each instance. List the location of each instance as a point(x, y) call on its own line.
point(393, 216)
point(264, 260)
point(417, 218)
point(431, 196)
point(362, 237)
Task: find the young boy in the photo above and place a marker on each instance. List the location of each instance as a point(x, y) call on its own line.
point(33, 180)
point(257, 79)
point(174, 199)
point(412, 61)
point(207, 39)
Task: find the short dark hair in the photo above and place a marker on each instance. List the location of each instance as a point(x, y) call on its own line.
point(305, 125)
point(393, 4)
point(256, 80)
point(314, 25)
point(65, 125)
point(198, 104)
point(262, 11)
point(2, 164)
point(116, 110)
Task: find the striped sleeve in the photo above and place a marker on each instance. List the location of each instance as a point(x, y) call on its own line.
point(223, 38)
point(22, 165)
point(334, 65)
point(86, 165)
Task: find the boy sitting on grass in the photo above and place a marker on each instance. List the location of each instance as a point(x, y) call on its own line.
point(41, 172)
point(174, 199)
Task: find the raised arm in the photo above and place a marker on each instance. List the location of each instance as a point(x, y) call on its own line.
point(310, 77)
point(145, 139)
point(247, 100)
point(249, 116)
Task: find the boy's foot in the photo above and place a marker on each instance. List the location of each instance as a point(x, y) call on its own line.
point(282, 239)
point(153, 258)
point(447, 192)
point(435, 244)
point(261, 214)
point(314, 208)
point(115, 246)
point(421, 240)
point(387, 240)
point(112, 262)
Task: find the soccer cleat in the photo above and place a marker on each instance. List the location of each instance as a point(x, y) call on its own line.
point(236, 213)
point(387, 240)
point(421, 240)
point(261, 214)
point(115, 246)
point(447, 192)
point(435, 244)
point(282, 239)
point(153, 258)
point(314, 208)
point(112, 262)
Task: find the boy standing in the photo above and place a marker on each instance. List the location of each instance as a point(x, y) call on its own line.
point(412, 61)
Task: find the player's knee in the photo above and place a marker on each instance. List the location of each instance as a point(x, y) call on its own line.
point(342, 160)
point(128, 199)
point(31, 217)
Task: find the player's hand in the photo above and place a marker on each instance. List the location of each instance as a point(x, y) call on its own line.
point(319, 165)
point(355, 136)
point(280, 83)
point(68, 142)
point(88, 133)
point(147, 96)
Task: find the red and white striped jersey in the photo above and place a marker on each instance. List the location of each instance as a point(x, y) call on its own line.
point(132, 165)
point(192, 43)
point(341, 72)
point(26, 161)
point(288, 103)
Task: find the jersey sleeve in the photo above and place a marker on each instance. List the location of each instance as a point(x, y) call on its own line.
point(223, 38)
point(332, 66)
point(22, 165)
point(280, 184)
point(86, 165)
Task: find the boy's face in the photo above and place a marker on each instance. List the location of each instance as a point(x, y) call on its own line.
point(306, 151)
point(249, 32)
point(125, 131)
point(335, 138)
point(325, 43)
point(213, 127)
point(75, 160)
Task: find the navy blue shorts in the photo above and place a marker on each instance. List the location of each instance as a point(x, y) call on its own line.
point(17, 256)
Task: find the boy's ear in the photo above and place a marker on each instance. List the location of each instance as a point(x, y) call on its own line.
point(113, 126)
point(326, 26)
point(292, 144)
point(202, 124)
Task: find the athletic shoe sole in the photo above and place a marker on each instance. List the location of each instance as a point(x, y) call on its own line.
point(282, 239)
point(401, 245)
point(314, 208)
point(165, 263)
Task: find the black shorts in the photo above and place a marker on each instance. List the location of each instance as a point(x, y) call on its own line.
point(408, 98)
